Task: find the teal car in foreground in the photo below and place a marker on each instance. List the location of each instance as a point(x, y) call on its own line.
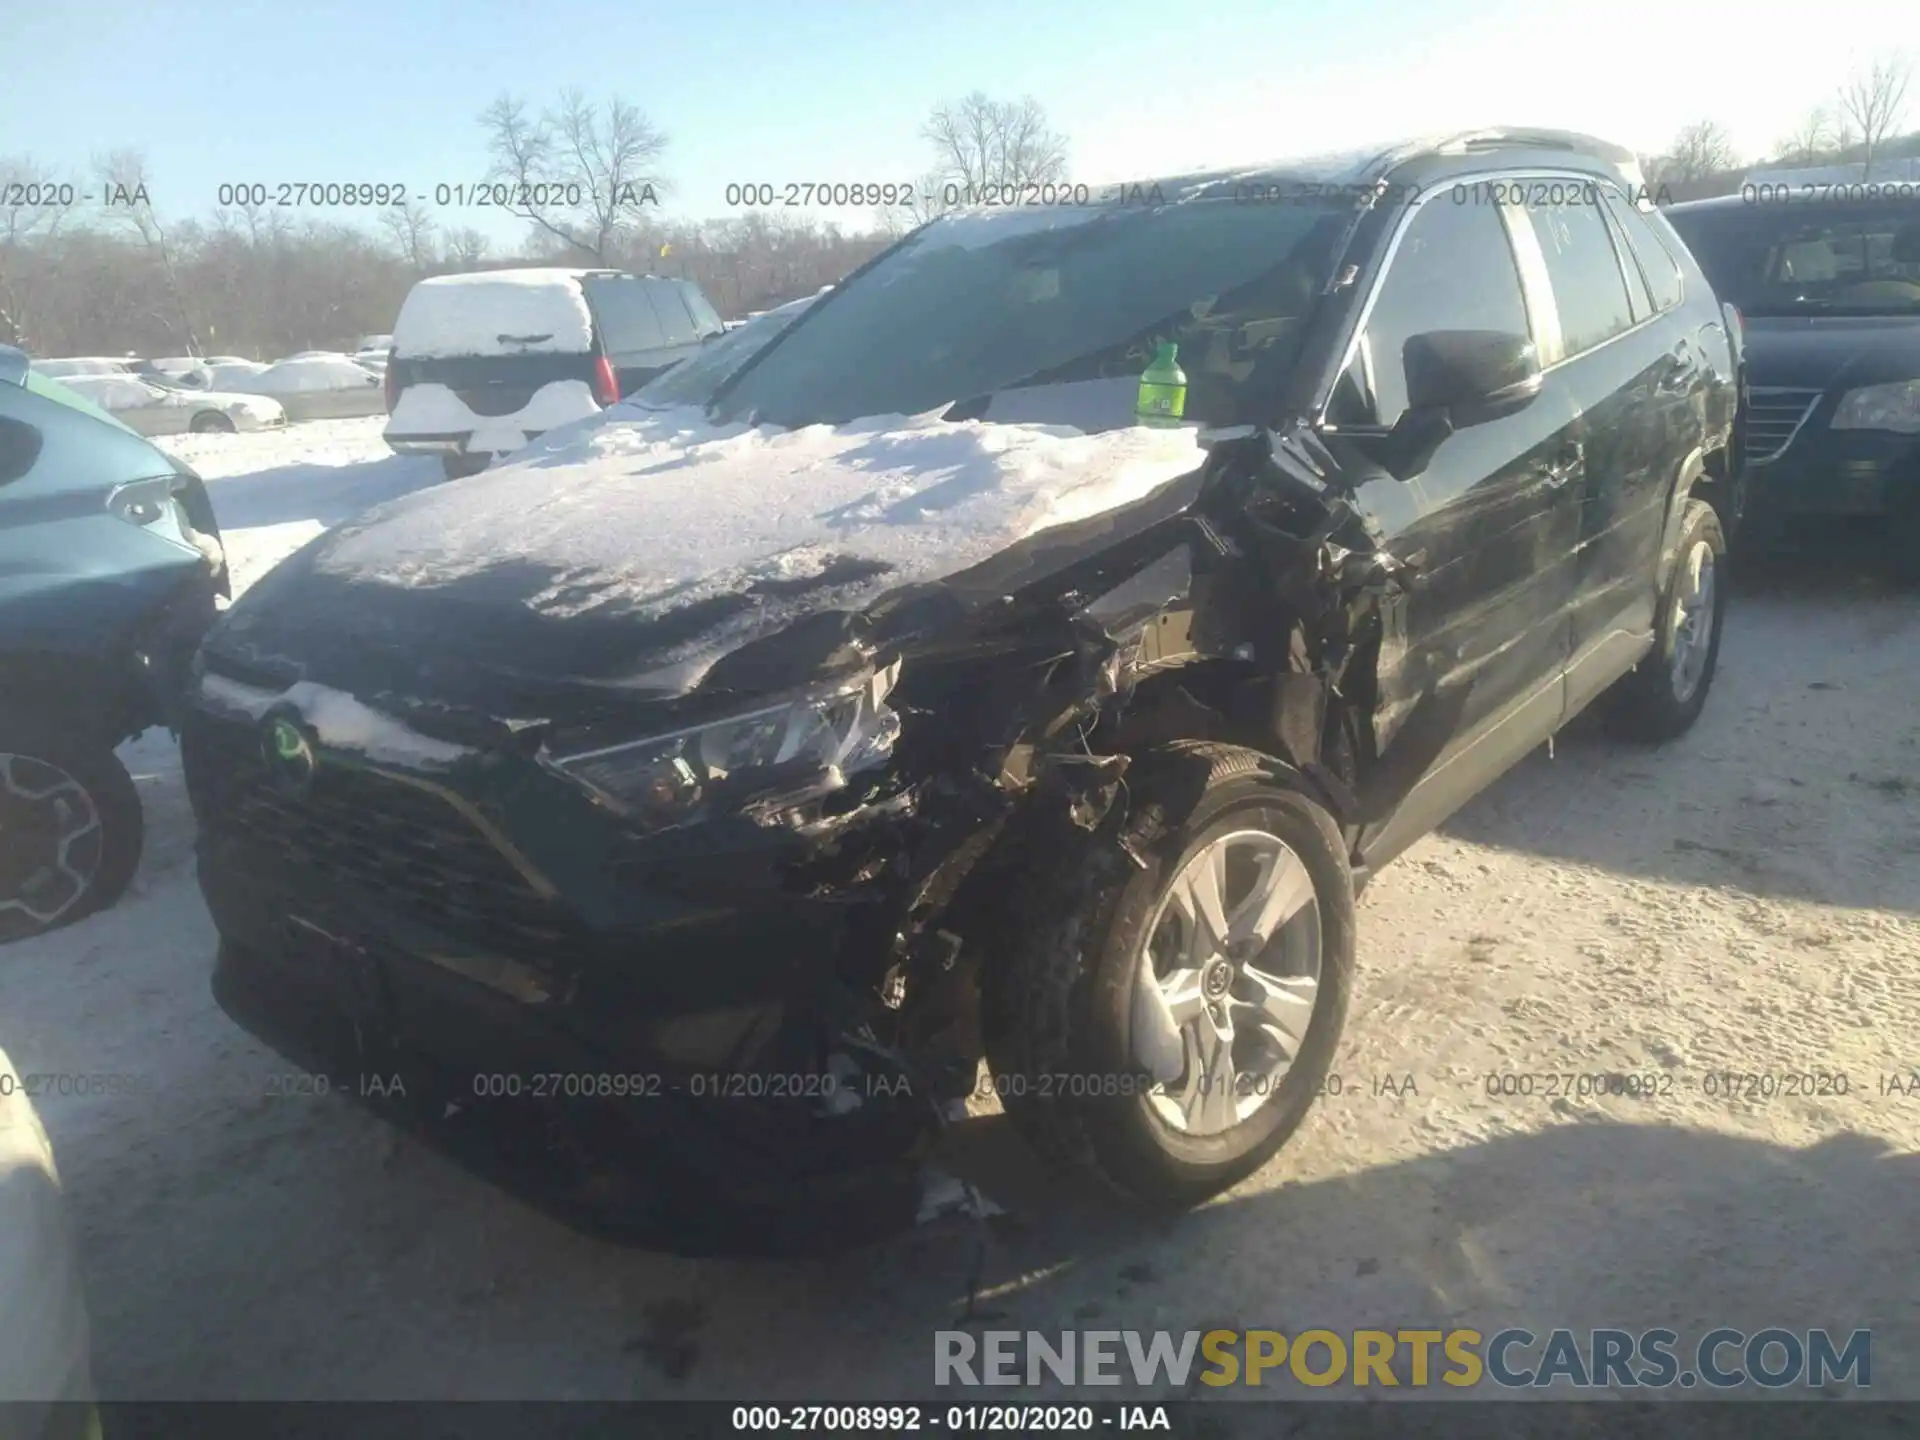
point(110, 562)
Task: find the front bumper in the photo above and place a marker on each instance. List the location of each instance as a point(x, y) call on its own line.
point(1825, 472)
point(504, 944)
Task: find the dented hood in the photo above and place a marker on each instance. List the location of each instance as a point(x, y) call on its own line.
point(628, 557)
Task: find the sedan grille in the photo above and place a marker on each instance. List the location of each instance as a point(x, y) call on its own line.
point(1774, 416)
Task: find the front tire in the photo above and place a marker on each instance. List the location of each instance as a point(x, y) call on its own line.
point(458, 465)
point(1660, 698)
point(211, 424)
point(1128, 1037)
point(70, 831)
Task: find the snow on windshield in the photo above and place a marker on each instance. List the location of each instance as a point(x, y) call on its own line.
point(649, 513)
point(542, 310)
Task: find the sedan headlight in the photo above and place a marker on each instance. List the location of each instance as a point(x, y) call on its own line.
point(761, 763)
point(1893, 407)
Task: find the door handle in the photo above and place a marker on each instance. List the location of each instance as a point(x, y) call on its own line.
point(1566, 464)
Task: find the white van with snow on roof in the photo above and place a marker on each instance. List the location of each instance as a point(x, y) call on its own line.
point(485, 362)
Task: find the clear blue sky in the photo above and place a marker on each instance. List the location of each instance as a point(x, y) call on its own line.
point(754, 90)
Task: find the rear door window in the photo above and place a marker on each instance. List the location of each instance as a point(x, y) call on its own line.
point(626, 318)
point(1656, 261)
point(1589, 287)
point(676, 320)
point(705, 318)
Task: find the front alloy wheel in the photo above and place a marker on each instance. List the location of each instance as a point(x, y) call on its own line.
point(1162, 1012)
point(1227, 982)
point(70, 834)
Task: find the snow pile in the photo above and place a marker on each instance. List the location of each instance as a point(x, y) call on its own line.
point(648, 512)
point(341, 721)
point(494, 312)
point(319, 372)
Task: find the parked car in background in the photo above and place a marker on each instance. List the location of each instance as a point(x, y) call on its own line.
point(694, 379)
point(483, 363)
point(110, 560)
point(319, 387)
point(848, 730)
point(46, 1371)
point(153, 408)
point(232, 374)
point(182, 372)
point(372, 350)
point(1828, 288)
point(81, 365)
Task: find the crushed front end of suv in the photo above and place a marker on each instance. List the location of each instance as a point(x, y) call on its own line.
point(1022, 657)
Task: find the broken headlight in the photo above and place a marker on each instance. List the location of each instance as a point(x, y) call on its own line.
point(760, 763)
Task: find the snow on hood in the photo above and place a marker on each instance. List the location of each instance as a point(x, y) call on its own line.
point(645, 513)
point(340, 721)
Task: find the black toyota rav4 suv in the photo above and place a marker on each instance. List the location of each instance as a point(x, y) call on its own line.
point(738, 931)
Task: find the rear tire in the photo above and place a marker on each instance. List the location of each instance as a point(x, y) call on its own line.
point(70, 828)
point(211, 424)
point(1660, 698)
point(1064, 1026)
point(459, 465)
point(1903, 538)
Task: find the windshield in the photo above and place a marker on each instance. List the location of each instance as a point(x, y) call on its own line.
point(979, 303)
point(694, 380)
point(1776, 260)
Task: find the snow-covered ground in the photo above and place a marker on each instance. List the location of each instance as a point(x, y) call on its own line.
point(1745, 901)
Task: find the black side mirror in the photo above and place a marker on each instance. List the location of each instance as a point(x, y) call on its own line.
point(1457, 379)
point(19, 447)
point(1473, 375)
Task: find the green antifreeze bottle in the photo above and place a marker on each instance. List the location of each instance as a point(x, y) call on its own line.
point(1163, 389)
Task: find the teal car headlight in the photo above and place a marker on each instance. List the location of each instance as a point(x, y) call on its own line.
point(762, 762)
point(1893, 407)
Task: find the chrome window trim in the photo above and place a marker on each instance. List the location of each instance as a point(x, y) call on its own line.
point(1324, 395)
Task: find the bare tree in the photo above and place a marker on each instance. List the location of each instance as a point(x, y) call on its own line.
point(1873, 101)
point(412, 232)
point(580, 173)
point(31, 203)
point(1812, 140)
point(466, 248)
point(982, 144)
point(122, 175)
point(1700, 150)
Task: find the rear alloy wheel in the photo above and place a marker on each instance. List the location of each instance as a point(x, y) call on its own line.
point(458, 464)
point(70, 833)
point(1904, 536)
point(1166, 1019)
point(1661, 697)
point(210, 422)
